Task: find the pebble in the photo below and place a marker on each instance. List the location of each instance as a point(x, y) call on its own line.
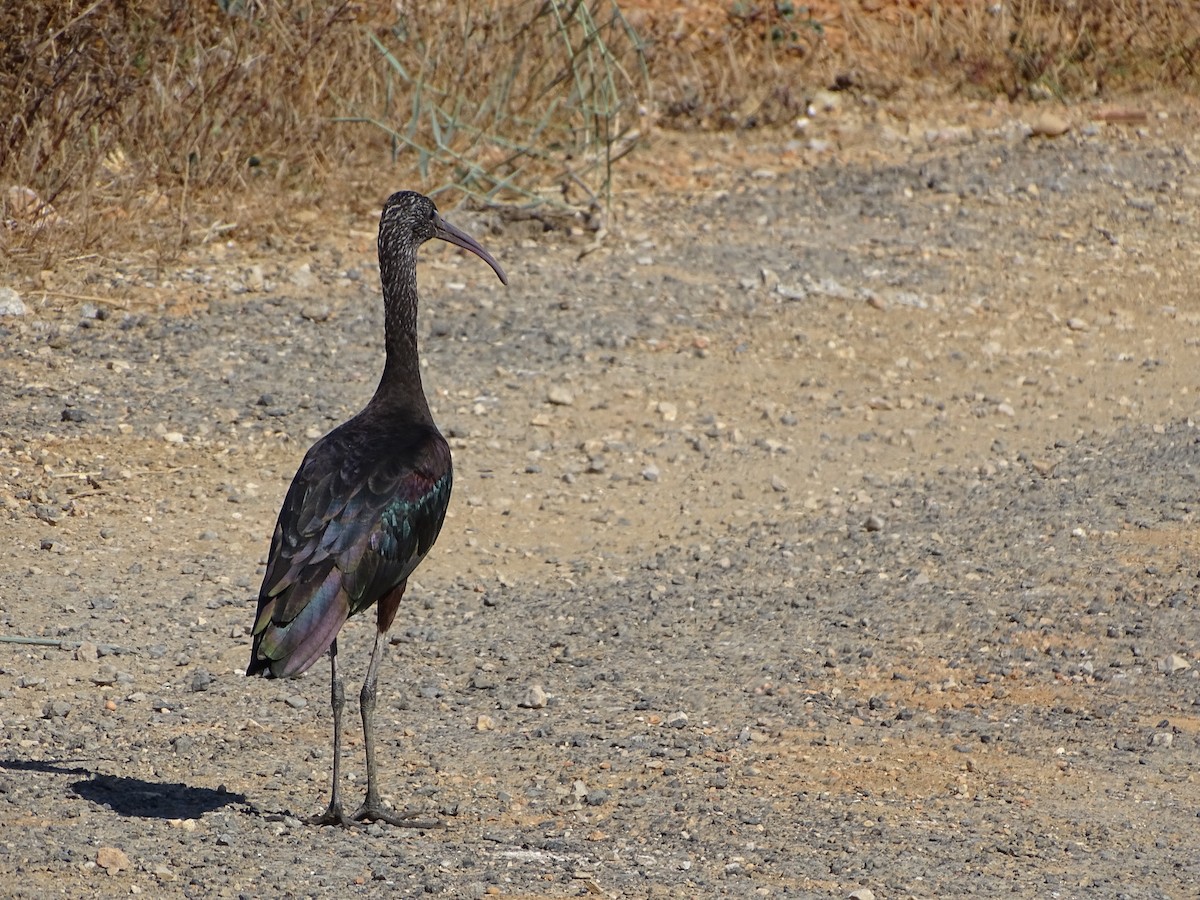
point(56, 709)
point(861, 894)
point(1049, 124)
point(201, 679)
point(87, 652)
point(255, 279)
point(296, 702)
point(873, 523)
point(535, 698)
point(560, 396)
point(778, 484)
point(650, 473)
point(302, 277)
point(669, 411)
point(11, 303)
point(677, 719)
point(112, 860)
point(1169, 665)
point(1164, 739)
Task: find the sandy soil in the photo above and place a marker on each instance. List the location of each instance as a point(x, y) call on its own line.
point(826, 527)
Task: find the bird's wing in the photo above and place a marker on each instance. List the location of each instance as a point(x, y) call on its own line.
point(349, 531)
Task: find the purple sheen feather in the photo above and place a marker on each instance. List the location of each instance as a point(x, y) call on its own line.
point(296, 645)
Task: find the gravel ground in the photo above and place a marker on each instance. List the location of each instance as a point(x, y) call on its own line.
point(823, 531)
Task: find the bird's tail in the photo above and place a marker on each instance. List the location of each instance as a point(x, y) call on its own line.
point(283, 649)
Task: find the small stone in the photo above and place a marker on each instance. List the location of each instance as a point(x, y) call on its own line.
point(201, 679)
point(173, 437)
point(535, 698)
point(302, 277)
point(163, 872)
point(1049, 125)
point(485, 723)
point(1077, 324)
point(650, 473)
point(296, 702)
point(669, 411)
point(1164, 739)
point(315, 313)
point(778, 484)
point(873, 523)
point(677, 719)
point(112, 860)
point(74, 415)
point(1169, 665)
point(87, 652)
point(255, 280)
point(560, 396)
point(861, 894)
point(595, 797)
point(11, 303)
point(56, 709)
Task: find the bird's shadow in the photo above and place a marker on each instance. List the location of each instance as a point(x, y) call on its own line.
point(134, 796)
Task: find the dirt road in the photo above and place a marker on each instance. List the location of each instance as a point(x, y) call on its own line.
point(827, 527)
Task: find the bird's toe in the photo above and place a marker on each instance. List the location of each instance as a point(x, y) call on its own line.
point(375, 812)
point(333, 815)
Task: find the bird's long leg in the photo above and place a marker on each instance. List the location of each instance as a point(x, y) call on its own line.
point(373, 809)
point(334, 815)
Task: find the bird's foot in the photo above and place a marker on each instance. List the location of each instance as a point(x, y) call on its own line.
point(333, 815)
point(375, 812)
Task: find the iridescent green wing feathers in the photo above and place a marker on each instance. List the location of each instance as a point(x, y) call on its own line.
point(347, 535)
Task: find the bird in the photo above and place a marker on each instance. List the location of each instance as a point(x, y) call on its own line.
point(363, 509)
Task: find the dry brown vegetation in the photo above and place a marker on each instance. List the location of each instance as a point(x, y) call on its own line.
point(126, 121)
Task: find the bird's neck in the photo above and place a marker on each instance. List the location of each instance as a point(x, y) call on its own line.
point(400, 388)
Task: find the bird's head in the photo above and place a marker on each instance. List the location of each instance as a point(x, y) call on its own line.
point(410, 219)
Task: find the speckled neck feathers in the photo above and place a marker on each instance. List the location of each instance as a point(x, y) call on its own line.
point(400, 391)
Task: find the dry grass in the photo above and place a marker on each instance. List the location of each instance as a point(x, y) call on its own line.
point(137, 124)
point(1063, 48)
point(143, 122)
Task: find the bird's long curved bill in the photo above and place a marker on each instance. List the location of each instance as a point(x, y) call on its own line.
point(447, 232)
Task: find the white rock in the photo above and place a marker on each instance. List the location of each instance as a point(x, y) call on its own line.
point(11, 303)
point(535, 698)
point(560, 396)
point(1049, 125)
point(1173, 663)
